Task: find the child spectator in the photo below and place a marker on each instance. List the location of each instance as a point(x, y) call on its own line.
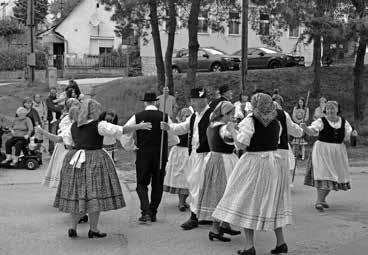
point(109, 142)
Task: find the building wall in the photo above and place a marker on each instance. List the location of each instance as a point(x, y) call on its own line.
point(81, 37)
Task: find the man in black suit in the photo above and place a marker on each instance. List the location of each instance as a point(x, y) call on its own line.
point(148, 147)
point(226, 95)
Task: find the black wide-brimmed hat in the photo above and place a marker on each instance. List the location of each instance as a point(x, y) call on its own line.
point(198, 93)
point(150, 97)
point(223, 89)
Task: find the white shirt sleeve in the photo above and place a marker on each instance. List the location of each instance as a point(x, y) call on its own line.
point(348, 130)
point(293, 129)
point(66, 135)
point(317, 125)
point(108, 129)
point(180, 128)
point(172, 139)
point(127, 140)
point(248, 107)
point(246, 130)
point(238, 112)
point(225, 135)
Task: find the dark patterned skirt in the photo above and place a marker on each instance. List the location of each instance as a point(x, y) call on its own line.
point(92, 188)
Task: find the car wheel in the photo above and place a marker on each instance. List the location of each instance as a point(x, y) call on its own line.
point(175, 69)
point(31, 164)
point(274, 64)
point(216, 67)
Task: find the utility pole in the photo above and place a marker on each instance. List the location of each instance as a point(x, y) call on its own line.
point(31, 60)
point(244, 42)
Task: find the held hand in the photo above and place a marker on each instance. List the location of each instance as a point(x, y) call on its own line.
point(165, 126)
point(26, 137)
point(303, 125)
point(354, 133)
point(145, 125)
point(38, 130)
point(231, 127)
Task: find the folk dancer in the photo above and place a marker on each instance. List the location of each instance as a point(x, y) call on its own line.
point(88, 179)
point(220, 162)
point(175, 182)
point(196, 125)
point(148, 156)
point(257, 195)
point(329, 168)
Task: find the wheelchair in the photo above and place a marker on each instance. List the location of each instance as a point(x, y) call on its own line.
point(31, 158)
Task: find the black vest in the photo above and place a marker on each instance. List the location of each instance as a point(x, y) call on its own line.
point(284, 145)
point(264, 138)
point(332, 135)
point(215, 141)
point(151, 139)
point(184, 139)
point(202, 128)
point(87, 137)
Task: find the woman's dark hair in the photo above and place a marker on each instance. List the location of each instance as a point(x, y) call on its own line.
point(114, 117)
point(242, 94)
point(27, 99)
point(69, 92)
point(297, 103)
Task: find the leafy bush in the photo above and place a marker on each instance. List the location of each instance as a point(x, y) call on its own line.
point(14, 59)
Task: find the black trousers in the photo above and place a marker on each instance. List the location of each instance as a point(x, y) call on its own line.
point(18, 142)
point(148, 171)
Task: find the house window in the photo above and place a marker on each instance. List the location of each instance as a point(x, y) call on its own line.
point(264, 24)
point(105, 50)
point(294, 31)
point(234, 23)
point(203, 22)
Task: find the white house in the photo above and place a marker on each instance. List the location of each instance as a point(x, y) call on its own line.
point(87, 31)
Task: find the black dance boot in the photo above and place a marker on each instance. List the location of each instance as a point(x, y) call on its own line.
point(92, 234)
point(251, 251)
point(280, 249)
point(191, 223)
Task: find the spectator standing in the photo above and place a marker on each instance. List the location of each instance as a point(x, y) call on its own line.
point(170, 103)
point(74, 85)
point(32, 113)
point(300, 115)
point(320, 111)
point(277, 97)
point(53, 108)
point(40, 106)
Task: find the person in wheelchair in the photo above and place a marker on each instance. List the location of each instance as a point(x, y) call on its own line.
point(21, 131)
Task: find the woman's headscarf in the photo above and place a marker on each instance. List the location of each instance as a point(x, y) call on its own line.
point(70, 103)
point(74, 113)
point(183, 112)
point(264, 108)
point(333, 103)
point(222, 109)
point(90, 110)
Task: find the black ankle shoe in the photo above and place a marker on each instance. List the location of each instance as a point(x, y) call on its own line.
point(190, 224)
point(144, 218)
point(229, 231)
point(182, 208)
point(153, 218)
point(72, 233)
point(219, 237)
point(251, 251)
point(280, 249)
point(92, 234)
point(83, 219)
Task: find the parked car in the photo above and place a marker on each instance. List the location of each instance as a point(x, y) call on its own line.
point(267, 58)
point(209, 59)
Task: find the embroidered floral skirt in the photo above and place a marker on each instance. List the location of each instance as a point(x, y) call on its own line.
point(93, 187)
point(257, 194)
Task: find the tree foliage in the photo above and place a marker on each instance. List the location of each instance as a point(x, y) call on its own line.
point(59, 9)
point(9, 29)
point(40, 9)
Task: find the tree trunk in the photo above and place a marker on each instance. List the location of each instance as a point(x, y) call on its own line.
point(359, 102)
point(157, 44)
point(193, 42)
point(170, 45)
point(317, 65)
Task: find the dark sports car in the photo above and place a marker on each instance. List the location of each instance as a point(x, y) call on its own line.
point(209, 59)
point(267, 58)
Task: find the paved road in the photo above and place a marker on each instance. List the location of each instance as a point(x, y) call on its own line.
point(29, 225)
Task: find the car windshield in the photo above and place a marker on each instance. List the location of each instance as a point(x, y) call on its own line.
point(268, 51)
point(214, 51)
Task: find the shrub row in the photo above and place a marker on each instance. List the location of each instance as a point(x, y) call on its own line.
point(13, 59)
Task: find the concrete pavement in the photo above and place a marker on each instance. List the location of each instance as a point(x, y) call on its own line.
point(30, 225)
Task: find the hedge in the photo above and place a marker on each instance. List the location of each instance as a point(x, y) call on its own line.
point(13, 59)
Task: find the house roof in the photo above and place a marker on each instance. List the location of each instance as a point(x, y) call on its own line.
point(61, 21)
